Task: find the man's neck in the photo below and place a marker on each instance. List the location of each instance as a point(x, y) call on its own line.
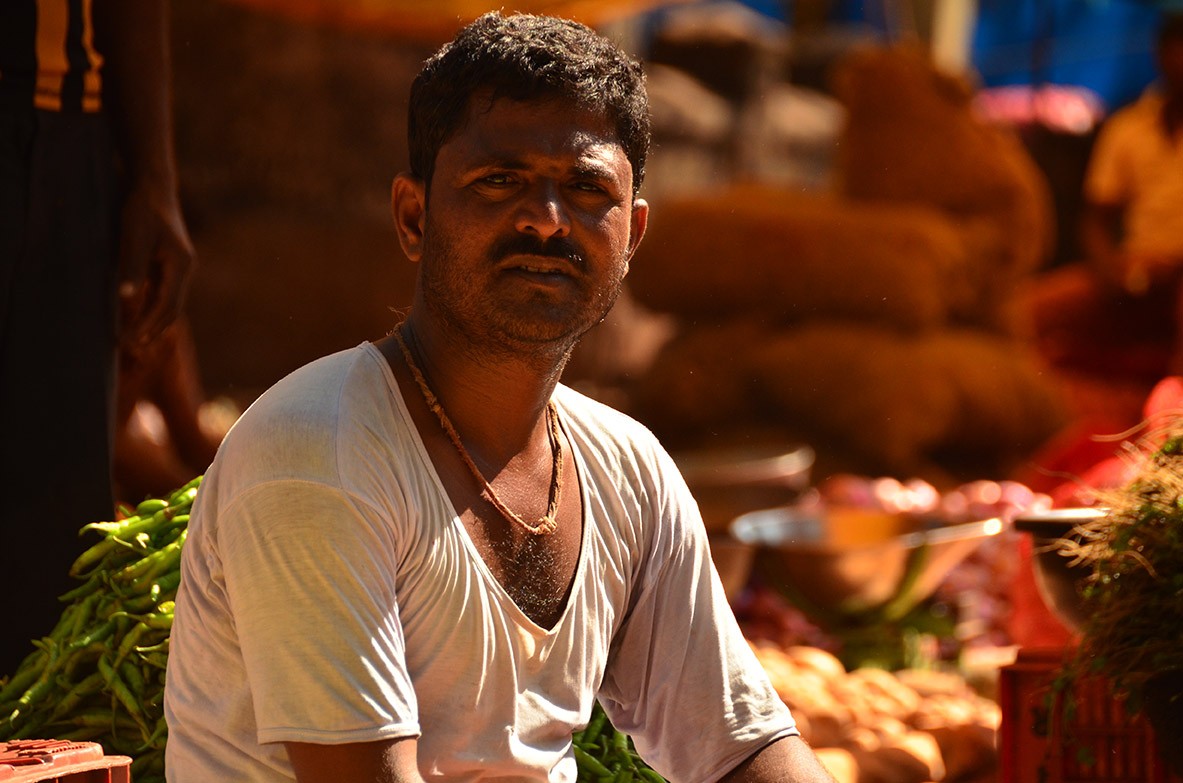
point(495, 400)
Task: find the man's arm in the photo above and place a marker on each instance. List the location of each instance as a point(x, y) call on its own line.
point(1101, 243)
point(388, 761)
point(156, 256)
point(787, 760)
point(1100, 239)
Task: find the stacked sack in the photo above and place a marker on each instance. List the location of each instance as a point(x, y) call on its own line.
point(876, 319)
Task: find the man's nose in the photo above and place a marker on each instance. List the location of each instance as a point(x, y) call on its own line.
point(543, 212)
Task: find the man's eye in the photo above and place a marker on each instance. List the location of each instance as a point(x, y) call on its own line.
point(496, 179)
point(588, 187)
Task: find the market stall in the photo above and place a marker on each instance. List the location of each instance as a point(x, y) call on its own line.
point(99, 675)
point(878, 608)
point(860, 445)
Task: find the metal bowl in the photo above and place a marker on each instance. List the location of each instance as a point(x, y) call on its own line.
point(842, 563)
point(1057, 580)
point(730, 481)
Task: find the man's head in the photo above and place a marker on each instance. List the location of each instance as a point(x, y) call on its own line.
point(1170, 54)
point(526, 58)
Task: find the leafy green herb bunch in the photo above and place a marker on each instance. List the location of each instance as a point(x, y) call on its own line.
point(1133, 594)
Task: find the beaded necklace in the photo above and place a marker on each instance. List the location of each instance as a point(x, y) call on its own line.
point(546, 524)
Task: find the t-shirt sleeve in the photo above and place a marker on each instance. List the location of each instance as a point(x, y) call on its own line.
point(680, 675)
point(310, 576)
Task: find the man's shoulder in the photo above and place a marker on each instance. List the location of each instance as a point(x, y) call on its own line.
point(1139, 116)
point(317, 387)
point(617, 436)
point(596, 414)
point(301, 417)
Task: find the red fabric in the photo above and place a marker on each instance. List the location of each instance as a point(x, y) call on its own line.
point(1071, 453)
point(1166, 398)
point(1031, 623)
point(1083, 460)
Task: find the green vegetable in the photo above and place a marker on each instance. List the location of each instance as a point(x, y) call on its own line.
point(97, 676)
point(604, 754)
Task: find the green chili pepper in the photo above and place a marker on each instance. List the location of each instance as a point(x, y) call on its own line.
point(123, 694)
point(151, 506)
point(25, 676)
point(589, 762)
point(84, 589)
point(100, 673)
point(134, 679)
point(74, 696)
point(152, 564)
point(129, 641)
point(96, 634)
point(159, 735)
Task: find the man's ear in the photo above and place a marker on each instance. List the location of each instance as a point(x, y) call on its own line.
point(637, 223)
point(408, 204)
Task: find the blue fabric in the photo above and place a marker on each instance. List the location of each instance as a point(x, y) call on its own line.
point(1104, 45)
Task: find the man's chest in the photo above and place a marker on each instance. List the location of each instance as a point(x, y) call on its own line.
point(536, 573)
point(535, 570)
point(467, 635)
point(1152, 160)
point(531, 563)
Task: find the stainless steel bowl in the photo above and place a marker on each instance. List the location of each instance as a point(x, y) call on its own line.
point(1058, 581)
point(729, 481)
point(841, 563)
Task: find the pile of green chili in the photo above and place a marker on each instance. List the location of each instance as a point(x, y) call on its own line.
point(99, 675)
point(606, 755)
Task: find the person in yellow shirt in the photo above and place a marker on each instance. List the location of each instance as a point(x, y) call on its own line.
point(1118, 312)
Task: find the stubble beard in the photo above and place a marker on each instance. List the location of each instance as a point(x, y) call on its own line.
point(538, 325)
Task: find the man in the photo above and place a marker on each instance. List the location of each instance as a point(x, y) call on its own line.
point(424, 559)
point(1132, 225)
point(80, 89)
point(1118, 314)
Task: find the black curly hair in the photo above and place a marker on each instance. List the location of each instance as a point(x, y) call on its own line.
point(525, 57)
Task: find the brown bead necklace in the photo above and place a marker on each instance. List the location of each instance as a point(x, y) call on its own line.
point(546, 524)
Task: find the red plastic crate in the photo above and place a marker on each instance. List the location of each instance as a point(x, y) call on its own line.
point(1037, 747)
point(26, 761)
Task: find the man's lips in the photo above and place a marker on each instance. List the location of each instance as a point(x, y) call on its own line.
point(538, 265)
point(557, 256)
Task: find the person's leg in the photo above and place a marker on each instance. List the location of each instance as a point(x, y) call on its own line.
point(1079, 324)
point(57, 362)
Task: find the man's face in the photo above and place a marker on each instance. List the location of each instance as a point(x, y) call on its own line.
point(529, 224)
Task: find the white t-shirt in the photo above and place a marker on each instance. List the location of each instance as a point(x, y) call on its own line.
point(330, 594)
point(1135, 164)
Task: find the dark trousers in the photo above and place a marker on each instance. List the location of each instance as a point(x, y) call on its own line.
point(57, 359)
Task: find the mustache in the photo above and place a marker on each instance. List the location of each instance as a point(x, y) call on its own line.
point(527, 245)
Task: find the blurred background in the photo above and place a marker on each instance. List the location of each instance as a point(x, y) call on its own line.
point(860, 212)
point(848, 200)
